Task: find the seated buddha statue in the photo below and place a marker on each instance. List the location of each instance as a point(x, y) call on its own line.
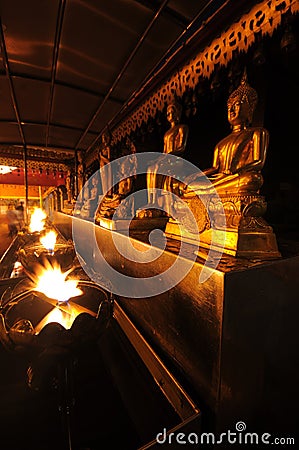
point(105, 157)
point(80, 176)
point(240, 156)
point(226, 197)
point(174, 143)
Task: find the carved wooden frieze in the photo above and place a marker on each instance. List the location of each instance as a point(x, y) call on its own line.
point(262, 19)
point(36, 159)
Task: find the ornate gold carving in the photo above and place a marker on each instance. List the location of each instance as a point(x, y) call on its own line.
point(199, 211)
point(231, 224)
point(241, 212)
point(236, 208)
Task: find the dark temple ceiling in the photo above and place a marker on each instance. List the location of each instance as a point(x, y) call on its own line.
point(70, 67)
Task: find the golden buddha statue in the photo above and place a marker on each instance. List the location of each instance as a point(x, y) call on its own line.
point(104, 156)
point(80, 177)
point(225, 199)
point(240, 156)
point(68, 186)
point(175, 140)
point(111, 206)
point(174, 143)
point(128, 166)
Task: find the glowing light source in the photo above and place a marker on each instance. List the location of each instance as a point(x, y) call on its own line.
point(37, 220)
point(52, 282)
point(49, 240)
point(6, 169)
point(29, 318)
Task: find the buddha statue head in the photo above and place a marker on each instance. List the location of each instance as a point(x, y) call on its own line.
point(106, 137)
point(174, 110)
point(246, 97)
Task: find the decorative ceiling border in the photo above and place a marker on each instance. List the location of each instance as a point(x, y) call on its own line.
point(35, 165)
point(262, 19)
point(36, 158)
point(32, 152)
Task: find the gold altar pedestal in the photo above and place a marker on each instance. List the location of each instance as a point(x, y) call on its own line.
point(259, 245)
point(114, 225)
point(115, 216)
point(232, 340)
point(232, 224)
point(134, 224)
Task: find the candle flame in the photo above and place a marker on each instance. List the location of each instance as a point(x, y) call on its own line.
point(52, 282)
point(37, 220)
point(49, 240)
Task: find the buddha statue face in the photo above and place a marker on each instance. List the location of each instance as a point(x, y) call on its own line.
point(173, 112)
point(105, 139)
point(238, 113)
point(241, 104)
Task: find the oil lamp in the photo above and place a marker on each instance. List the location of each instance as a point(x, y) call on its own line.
point(37, 220)
point(50, 247)
point(53, 308)
point(38, 224)
point(51, 318)
point(49, 241)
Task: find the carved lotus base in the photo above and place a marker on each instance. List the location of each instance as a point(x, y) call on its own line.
point(107, 207)
point(231, 224)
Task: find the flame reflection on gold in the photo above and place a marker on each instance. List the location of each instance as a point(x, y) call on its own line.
point(63, 313)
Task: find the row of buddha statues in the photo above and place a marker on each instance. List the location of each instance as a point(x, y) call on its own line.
point(223, 198)
point(83, 187)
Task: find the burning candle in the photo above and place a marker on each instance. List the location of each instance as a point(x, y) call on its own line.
point(37, 220)
point(52, 282)
point(49, 241)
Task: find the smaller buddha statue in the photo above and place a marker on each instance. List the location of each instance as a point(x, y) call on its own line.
point(175, 140)
point(80, 176)
point(90, 196)
point(126, 184)
point(112, 206)
point(94, 188)
point(129, 166)
point(68, 186)
point(105, 156)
